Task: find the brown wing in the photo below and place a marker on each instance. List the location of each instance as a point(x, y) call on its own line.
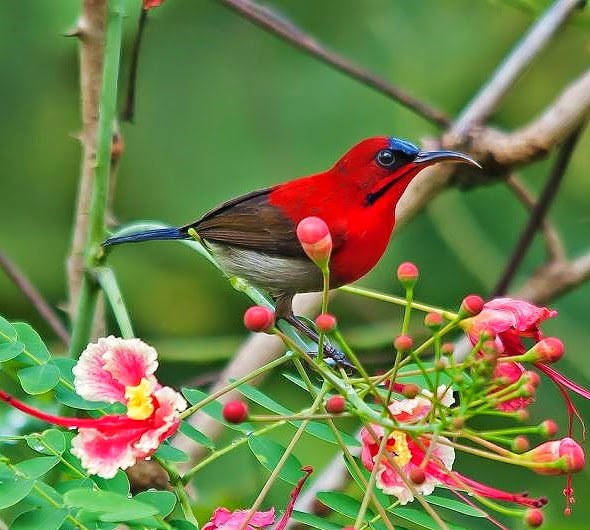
point(250, 222)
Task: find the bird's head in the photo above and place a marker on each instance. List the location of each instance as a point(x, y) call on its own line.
point(384, 166)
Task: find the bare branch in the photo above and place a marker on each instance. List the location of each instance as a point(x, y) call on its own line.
point(511, 68)
point(35, 297)
point(270, 21)
point(553, 244)
point(538, 213)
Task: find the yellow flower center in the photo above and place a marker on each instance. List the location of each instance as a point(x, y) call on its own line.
point(398, 445)
point(139, 400)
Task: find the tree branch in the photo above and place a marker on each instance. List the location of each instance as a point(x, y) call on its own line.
point(268, 20)
point(511, 68)
point(538, 212)
point(553, 244)
point(35, 297)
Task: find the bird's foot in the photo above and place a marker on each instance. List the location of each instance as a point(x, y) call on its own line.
point(338, 357)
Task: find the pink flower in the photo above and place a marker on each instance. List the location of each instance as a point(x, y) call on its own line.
point(558, 457)
point(117, 370)
point(223, 519)
point(408, 456)
point(511, 320)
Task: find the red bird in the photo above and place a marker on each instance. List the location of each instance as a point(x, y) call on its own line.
point(254, 236)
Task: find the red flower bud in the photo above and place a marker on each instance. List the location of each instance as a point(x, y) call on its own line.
point(410, 390)
point(520, 444)
point(533, 517)
point(407, 274)
point(557, 457)
point(314, 235)
point(403, 343)
point(549, 428)
point(335, 404)
point(447, 348)
point(259, 318)
point(471, 305)
point(433, 321)
point(235, 411)
point(548, 350)
point(417, 475)
point(326, 322)
point(533, 378)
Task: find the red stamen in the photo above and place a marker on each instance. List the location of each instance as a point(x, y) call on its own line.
point(308, 470)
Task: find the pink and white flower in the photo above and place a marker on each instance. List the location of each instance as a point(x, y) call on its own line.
point(117, 370)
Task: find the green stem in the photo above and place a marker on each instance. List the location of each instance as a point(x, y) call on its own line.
point(375, 295)
point(108, 281)
point(97, 226)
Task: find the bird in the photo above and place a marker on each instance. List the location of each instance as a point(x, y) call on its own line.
point(253, 236)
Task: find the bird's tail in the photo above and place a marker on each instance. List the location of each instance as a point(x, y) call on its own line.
point(148, 235)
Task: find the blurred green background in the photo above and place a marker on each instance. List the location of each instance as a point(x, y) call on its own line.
point(224, 108)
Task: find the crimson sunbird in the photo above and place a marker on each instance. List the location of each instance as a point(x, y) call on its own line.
point(254, 236)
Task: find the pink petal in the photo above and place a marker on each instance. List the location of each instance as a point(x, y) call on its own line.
point(129, 360)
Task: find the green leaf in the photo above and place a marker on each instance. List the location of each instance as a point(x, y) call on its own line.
point(164, 501)
point(188, 430)
point(299, 382)
point(381, 497)
point(109, 506)
point(7, 331)
point(34, 345)
point(455, 505)
point(324, 432)
point(342, 503)
point(268, 453)
point(39, 379)
point(171, 454)
point(73, 400)
point(215, 410)
point(66, 485)
point(314, 521)
point(417, 520)
point(9, 350)
point(36, 467)
point(14, 490)
point(118, 484)
point(49, 442)
point(262, 399)
point(65, 365)
point(46, 518)
point(179, 524)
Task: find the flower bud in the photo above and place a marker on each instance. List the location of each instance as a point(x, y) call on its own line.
point(549, 428)
point(326, 322)
point(336, 404)
point(417, 475)
point(533, 378)
point(314, 235)
point(403, 343)
point(471, 305)
point(410, 390)
point(447, 348)
point(433, 321)
point(235, 411)
point(557, 457)
point(259, 318)
point(520, 444)
point(407, 274)
point(548, 350)
point(533, 517)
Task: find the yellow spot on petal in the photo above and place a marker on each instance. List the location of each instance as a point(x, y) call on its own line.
point(139, 400)
point(398, 445)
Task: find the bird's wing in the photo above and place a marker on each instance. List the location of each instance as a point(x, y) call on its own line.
point(250, 222)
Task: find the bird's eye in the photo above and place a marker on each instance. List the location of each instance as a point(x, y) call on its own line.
point(385, 158)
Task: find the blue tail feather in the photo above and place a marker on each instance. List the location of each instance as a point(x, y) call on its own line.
point(148, 235)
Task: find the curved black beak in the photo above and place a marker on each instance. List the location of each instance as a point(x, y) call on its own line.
point(428, 158)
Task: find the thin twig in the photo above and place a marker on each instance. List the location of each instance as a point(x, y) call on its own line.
point(270, 21)
point(511, 68)
point(35, 297)
point(129, 110)
point(553, 244)
point(538, 212)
